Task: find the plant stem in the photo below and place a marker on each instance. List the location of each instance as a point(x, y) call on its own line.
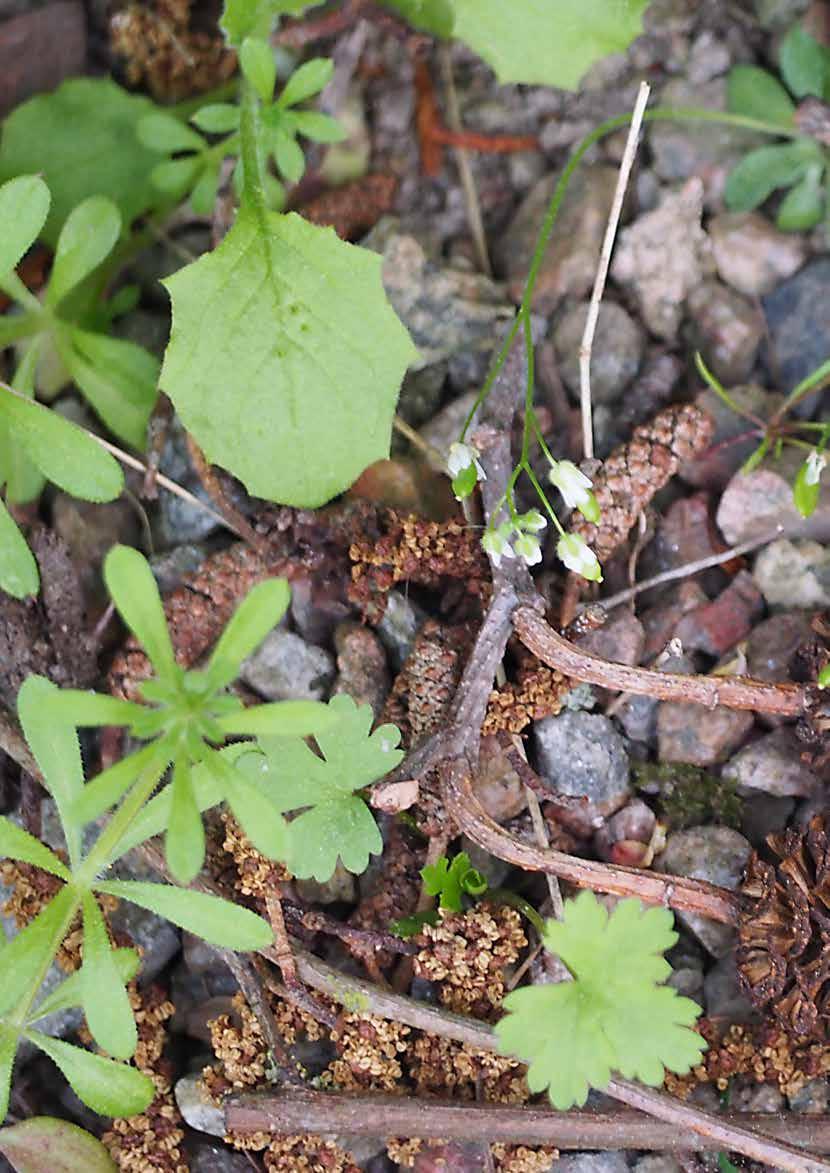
point(253, 194)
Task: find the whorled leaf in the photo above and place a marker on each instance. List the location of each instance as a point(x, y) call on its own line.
point(107, 1087)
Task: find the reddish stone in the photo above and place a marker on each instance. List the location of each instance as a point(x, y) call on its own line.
point(39, 49)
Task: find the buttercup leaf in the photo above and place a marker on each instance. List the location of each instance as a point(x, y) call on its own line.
point(289, 379)
point(613, 1016)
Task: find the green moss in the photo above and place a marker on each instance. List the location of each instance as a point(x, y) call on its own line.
point(689, 795)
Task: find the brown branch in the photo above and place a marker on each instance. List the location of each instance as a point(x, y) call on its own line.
point(250, 984)
point(734, 692)
point(678, 892)
point(327, 1114)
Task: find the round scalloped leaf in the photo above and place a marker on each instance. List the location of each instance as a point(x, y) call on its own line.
point(285, 358)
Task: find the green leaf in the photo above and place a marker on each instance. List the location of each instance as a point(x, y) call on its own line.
point(725, 1165)
point(258, 613)
point(82, 139)
point(8, 1050)
point(286, 358)
point(133, 589)
point(755, 93)
point(288, 156)
point(806, 490)
point(70, 993)
point(306, 81)
point(278, 719)
point(81, 708)
point(119, 378)
point(62, 451)
point(550, 44)
point(107, 1087)
point(215, 920)
point(203, 196)
point(431, 16)
point(45, 1144)
point(256, 60)
point(252, 808)
point(57, 752)
point(23, 958)
point(805, 63)
point(87, 238)
point(320, 128)
point(613, 1016)
point(163, 132)
point(217, 118)
point(106, 788)
point(18, 570)
point(184, 844)
point(338, 822)
point(24, 480)
point(761, 171)
point(255, 18)
point(107, 1008)
point(450, 881)
point(176, 176)
point(803, 205)
point(24, 206)
point(15, 843)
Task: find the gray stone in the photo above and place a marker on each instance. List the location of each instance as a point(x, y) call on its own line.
point(811, 1099)
point(218, 1158)
point(421, 394)
point(616, 353)
point(398, 627)
point(604, 1162)
point(144, 328)
point(762, 815)
point(179, 521)
point(657, 1163)
point(688, 732)
point(570, 261)
point(794, 574)
point(722, 994)
point(197, 1108)
point(751, 254)
point(663, 256)
point(772, 644)
point(761, 503)
point(445, 310)
point(798, 324)
point(362, 672)
point(445, 428)
point(717, 855)
point(582, 754)
point(341, 887)
point(727, 330)
point(745, 1095)
point(621, 639)
point(773, 765)
point(171, 568)
point(285, 667)
point(779, 14)
point(709, 150)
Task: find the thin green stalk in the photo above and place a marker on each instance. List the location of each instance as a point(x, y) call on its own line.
point(819, 378)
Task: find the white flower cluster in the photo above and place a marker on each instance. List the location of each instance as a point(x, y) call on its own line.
point(516, 539)
point(575, 488)
point(816, 464)
point(464, 468)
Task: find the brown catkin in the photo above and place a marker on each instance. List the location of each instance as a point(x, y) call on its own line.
point(634, 472)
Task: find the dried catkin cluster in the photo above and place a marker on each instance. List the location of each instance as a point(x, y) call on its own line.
point(762, 1052)
point(152, 1141)
point(536, 693)
point(424, 688)
point(162, 51)
point(370, 1051)
point(412, 549)
point(467, 954)
point(256, 875)
point(635, 471)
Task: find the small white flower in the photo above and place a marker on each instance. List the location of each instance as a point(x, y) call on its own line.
point(574, 486)
point(528, 548)
point(496, 544)
point(579, 557)
point(532, 521)
point(461, 456)
point(816, 464)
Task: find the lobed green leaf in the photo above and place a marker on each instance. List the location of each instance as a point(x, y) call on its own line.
point(253, 809)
